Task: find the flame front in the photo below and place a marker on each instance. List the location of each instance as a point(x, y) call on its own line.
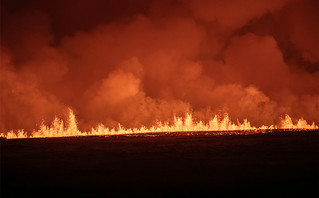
point(58, 128)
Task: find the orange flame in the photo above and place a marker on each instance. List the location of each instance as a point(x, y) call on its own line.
point(58, 129)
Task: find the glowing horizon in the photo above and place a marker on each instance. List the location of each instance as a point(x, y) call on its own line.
point(181, 124)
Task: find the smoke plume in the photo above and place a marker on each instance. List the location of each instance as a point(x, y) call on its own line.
point(135, 62)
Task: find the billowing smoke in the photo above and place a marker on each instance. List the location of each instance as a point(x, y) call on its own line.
point(135, 62)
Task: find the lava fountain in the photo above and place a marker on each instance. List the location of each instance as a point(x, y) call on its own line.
point(187, 124)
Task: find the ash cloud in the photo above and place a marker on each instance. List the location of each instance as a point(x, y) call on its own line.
point(138, 62)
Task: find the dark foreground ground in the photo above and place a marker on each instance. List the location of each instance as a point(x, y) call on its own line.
point(278, 164)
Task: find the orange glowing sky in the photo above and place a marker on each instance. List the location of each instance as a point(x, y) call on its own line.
point(135, 62)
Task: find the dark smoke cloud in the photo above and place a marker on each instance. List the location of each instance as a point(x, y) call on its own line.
point(136, 62)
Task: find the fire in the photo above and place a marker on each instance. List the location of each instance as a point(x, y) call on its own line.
point(59, 129)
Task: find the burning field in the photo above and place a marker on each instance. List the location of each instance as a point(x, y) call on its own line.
point(201, 94)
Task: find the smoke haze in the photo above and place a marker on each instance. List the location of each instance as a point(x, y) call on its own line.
point(135, 62)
